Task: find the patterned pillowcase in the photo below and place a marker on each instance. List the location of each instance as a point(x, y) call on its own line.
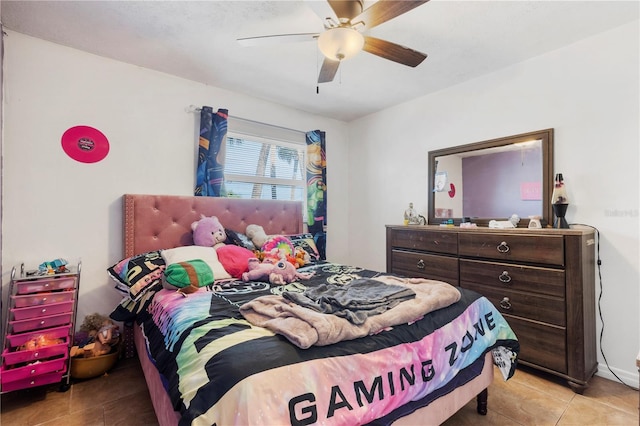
point(128, 310)
point(306, 242)
point(136, 274)
point(239, 239)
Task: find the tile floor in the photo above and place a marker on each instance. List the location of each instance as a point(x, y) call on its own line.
point(529, 398)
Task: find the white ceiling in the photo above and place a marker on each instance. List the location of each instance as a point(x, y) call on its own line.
point(196, 40)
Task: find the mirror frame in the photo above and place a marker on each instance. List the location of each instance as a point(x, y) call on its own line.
point(545, 135)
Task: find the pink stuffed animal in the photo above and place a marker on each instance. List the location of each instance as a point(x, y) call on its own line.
point(280, 272)
point(208, 232)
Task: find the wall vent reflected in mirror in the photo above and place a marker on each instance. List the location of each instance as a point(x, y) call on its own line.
point(492, 180)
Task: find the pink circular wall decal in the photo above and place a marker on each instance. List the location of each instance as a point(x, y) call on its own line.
point(85, 144)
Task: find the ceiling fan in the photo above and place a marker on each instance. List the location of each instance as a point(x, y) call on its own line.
point(344, 23)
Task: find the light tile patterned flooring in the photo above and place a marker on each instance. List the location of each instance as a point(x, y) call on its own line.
point(529, 398)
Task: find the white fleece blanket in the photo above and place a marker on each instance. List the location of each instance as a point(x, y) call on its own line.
point(305, 327)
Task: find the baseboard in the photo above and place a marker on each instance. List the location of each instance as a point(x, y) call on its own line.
point(628, 377)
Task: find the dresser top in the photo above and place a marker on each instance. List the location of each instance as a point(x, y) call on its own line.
point(574, 230)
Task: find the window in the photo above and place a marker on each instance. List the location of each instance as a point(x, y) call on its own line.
point(264, 161)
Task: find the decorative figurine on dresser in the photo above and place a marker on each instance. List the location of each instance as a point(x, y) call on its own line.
point(39, 327)
point(541, 280)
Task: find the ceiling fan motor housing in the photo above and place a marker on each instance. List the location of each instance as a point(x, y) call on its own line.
point(346, 10)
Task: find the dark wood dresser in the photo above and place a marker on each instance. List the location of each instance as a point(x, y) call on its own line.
point(541, 280)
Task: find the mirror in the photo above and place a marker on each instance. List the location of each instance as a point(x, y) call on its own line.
point(493, 179)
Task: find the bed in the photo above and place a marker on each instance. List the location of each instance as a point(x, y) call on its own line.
point(205, 363)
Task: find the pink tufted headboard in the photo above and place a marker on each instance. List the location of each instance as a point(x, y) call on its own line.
point(154, 222)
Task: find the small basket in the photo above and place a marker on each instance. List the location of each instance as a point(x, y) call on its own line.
point(87, 368)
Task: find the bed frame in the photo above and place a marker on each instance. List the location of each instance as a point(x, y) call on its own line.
point(155, 222)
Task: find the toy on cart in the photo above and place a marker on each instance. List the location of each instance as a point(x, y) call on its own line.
point(56, 266)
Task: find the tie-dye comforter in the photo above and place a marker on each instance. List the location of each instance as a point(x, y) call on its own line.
point(219, 369)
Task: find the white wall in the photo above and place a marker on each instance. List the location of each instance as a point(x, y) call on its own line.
point(57, 207)
point(588, 92)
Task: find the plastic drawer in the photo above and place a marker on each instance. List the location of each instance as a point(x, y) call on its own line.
point(16, 357)
point(20, 314)
point(31, 382)
point(38, 285)
point(42, 298)
point(58, 365)
point(40, 323)
point(16, 340)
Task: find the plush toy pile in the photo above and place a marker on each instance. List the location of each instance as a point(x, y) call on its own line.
point(274, 258)
point(98, 335)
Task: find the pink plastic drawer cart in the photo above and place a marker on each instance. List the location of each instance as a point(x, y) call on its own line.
point(39, 328)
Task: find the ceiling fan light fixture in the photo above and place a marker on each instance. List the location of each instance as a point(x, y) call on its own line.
point(340, 43)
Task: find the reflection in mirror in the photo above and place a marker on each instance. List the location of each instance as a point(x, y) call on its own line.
point(492, 179)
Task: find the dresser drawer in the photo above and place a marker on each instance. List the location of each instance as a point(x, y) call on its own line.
point(538, 307)
point(542, 249)
point(30, 355)
point(433, 241)
point(16, 340)
point(43, 310)
point(34, 370)
point(540, 344)
point(38, 285)
point(510, 276)
point(42, 298)
point(40, 322)
point(412, 264)
point(30, 382)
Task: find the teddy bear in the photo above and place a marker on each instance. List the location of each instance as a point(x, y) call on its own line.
point(280, 272)
point(257, 235)
point(208, 232)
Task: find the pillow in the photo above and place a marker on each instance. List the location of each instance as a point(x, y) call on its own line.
point(235, 259)
point(206, 254)
point(188, 276)
point(239, 239)
point(306, 242)
point(134, 275)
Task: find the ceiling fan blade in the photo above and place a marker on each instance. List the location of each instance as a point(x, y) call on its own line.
point(384, 10)
point(393, 52)
point(277, 39)
point(328, 70)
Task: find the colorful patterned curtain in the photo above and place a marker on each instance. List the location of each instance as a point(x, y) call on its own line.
point(211, 152)
point(317, 188)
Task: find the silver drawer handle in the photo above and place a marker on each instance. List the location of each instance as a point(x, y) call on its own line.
point(505, 277)
point(420, 264)
point(505, 304)
point(503, 247)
